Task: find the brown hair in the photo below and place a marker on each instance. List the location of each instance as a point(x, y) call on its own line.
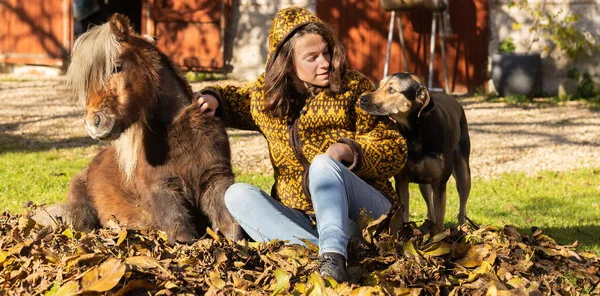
point(282, 97)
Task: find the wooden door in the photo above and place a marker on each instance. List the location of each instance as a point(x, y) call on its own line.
point(35, 32)
point(191, 32)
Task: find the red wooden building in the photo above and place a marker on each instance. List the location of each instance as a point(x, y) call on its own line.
point(363, 26)
point(192, 32)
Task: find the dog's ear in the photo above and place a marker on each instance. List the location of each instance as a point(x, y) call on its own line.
point(423, 97)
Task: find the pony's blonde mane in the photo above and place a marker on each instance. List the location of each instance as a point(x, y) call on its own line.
point(92, 62)
point(93, 59)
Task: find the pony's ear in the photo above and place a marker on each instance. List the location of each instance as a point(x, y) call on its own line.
point(149, 38)
point(120, 27)
point(424, 98)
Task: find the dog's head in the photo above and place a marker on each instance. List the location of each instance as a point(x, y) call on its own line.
point(397, 96)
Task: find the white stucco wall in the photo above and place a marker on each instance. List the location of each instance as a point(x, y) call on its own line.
point(249, 32)
point(555, 62)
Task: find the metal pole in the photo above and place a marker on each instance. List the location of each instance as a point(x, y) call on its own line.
point(431, 50)
point(389, 45)
point(444, 62)
point(400, 33)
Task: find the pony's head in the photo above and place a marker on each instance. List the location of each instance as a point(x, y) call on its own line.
point(116, 73)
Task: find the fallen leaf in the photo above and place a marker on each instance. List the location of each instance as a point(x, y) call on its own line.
point(212, 234)
point(437, 249)
point(134, 285)
point(104, 277)
point(220, 257)
point(68, 289)
point(146, 262)
point(214, 279)
point(476, 255)
point(283, 281)
point(122, 236)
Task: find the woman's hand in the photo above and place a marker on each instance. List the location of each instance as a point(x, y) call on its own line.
point(341, 152)
point(208, 103)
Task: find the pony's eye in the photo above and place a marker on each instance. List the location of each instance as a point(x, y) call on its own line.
point(391, 90)
point(118, 68)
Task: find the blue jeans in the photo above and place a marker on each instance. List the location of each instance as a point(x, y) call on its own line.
point(337, 197)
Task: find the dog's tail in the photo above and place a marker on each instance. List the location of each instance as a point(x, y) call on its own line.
point(465, 140)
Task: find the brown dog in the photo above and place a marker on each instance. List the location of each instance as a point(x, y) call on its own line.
point(435, 128)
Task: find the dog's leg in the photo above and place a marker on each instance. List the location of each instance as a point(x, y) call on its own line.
point(462, 175)
point(427, 194)
point(403, 196)
point(439, 201)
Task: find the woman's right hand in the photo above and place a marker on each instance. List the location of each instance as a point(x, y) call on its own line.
point(208, 103)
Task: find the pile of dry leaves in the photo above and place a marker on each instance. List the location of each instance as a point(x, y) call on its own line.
point(397, 260)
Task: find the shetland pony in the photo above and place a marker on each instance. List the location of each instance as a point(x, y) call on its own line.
point(168, 166)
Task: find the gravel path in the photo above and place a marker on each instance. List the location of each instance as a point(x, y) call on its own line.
point(40, 111)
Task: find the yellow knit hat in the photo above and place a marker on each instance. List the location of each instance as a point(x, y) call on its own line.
point(285, 23)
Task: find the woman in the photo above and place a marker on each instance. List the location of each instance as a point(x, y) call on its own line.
point(330, 158)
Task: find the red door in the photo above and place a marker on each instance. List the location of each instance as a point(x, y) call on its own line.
point(35, 32)
point(190, 32)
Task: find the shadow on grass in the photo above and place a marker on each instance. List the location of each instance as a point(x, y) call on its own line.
point(588, 236)
point(34, 119)
point(12, 143)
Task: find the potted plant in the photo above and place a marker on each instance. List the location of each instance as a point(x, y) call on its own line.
point(516, 74)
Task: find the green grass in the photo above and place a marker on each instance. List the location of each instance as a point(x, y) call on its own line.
point(13, 79)
point(565, 205)
point(41, 176)
point(264, 182)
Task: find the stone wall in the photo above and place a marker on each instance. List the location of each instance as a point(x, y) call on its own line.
point(555, 62)
point(247, 37)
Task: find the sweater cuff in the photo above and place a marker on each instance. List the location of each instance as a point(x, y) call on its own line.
point(358, 154)
point(215, 93)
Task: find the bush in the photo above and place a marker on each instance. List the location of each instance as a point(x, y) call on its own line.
point(507, 46)
point(560, 28)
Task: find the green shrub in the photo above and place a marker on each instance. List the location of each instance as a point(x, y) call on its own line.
point(517, 99)
point(585, 85)
point(507, 46)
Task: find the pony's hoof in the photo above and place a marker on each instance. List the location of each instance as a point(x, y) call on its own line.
point(233, 232)
point(186, 239)
point(182, 237)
